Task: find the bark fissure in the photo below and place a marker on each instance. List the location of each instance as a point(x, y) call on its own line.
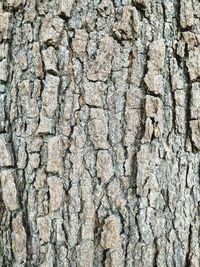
point(99, 133)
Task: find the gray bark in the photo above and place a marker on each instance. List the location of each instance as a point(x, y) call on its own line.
point(99, 133)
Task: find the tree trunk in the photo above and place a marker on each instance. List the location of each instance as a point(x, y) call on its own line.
point(99, 133)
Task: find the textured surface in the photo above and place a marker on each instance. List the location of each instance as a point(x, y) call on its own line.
point(99, 133)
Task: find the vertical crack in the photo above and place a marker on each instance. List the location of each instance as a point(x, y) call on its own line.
point(188, 259)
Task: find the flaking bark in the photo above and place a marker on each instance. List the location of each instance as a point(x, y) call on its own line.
point(99, 133)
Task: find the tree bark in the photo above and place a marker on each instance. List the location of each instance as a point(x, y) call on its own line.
point(99, 133)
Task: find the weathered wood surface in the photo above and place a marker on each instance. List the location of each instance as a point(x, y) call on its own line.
point(99, 133)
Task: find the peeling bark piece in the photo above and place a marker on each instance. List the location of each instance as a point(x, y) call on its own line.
point(110, 237)
point(190, 39)
point(37, 60)
point(19, 239)
point(49, 104)
point(13, 3)
point(46, 125)
point(34, 160)
point(100, 68)
point(65, 126)
point(134, 98)
point(28, 32)
point(154, 82)
point(30, 8)
point(54, 161)
point(9, 191)
point(24, 88)
point(22, 59)
point(136, 22)
point(137, 72)
point(133, 119)
point(30, 107)
point(60, 235)
point(195, 128)
point(104, 166)
point(44, 227)
point(128, 24)
point(80, 42)
point(50, 60)
point(116, 258)
point(106, 8)
point(154, 78)
point(5, 25)
point(85, 251)
point(85, 254)
point(36, 89)
point(179, 96)
point(177, 80)
point(146, 160)
point(51, 29)
point(94, 93)
point(153, 106)
point(40, 179)
point(79, 137)
point(148, 131)
point(47, 255)
point(22, 156)
point(157, 55)
point(3, 51)
point(2, 113)
point(3, 70)
point(65, 7)
point(186, 14)
point(88, 209)
point(98, 129)
point(6, 157)
point(195, 101)
point(193, 63)
point(154, 110)
point(50, 95)
point(56, 192)
point(34, 144)
point(31, 126)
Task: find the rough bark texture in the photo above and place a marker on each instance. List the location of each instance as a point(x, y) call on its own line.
point(99, 133)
